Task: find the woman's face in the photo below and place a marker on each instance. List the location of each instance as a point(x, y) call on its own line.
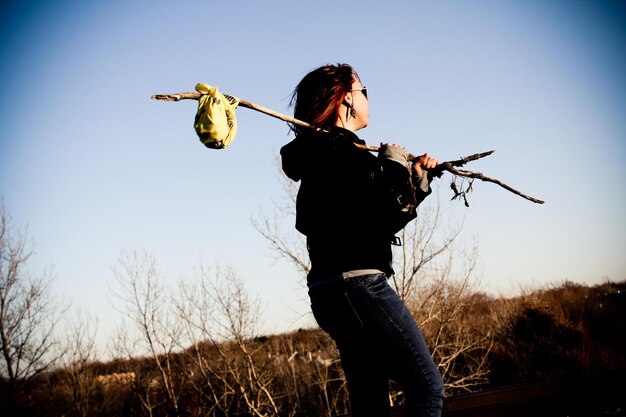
point(358, 99)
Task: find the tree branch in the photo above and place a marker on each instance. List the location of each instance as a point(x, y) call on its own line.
point(450, 166)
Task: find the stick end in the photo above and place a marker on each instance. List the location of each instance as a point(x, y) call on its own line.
point(165, 97)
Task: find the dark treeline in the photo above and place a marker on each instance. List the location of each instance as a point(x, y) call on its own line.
point(539, 336)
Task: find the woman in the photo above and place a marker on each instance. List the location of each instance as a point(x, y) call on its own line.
point(350, 205)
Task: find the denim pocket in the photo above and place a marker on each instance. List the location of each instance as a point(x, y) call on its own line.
point(372, 282)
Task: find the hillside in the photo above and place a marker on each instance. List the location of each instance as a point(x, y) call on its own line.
point(540, 336)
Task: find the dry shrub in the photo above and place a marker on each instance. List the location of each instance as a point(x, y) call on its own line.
point(560, 331)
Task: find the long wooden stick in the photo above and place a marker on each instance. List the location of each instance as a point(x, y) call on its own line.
point(242, 103)
point(450, 166)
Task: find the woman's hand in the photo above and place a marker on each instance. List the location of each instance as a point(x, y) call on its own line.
point(424, 162)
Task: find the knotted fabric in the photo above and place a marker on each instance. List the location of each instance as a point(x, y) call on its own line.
point(215, 121)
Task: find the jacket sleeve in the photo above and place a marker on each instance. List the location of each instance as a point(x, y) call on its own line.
point(403, 191)
point(421, 186)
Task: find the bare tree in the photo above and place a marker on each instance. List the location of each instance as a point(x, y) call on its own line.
point(444, 301)
point(424, 242)
point(145, 302)
point(28, 314)
point(230, 370)
point(80, 353)
point(283, 241)
point(200, 338)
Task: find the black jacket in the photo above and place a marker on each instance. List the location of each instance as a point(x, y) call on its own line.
point(350, 203)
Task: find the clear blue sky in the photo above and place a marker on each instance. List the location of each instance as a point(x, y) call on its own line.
point(90, 165)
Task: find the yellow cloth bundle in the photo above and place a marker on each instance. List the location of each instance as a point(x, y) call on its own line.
point(215, 121)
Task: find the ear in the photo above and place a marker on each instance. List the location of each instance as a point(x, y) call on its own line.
point(347, 99)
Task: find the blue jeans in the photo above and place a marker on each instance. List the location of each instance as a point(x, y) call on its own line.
point(377, 339)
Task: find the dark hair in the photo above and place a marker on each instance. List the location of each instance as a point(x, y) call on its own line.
point(316, 99)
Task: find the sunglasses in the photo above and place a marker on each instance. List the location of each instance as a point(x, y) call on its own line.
point(362, 90)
